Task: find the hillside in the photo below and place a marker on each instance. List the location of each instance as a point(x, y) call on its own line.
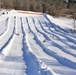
point(33, 43)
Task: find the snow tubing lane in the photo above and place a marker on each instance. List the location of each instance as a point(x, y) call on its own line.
point(6, 27)
point(9, 38)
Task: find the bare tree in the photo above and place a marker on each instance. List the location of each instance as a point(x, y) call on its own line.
point(5, 3)
point(16, 4)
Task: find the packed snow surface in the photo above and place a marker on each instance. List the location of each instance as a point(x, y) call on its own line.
point(36, 44)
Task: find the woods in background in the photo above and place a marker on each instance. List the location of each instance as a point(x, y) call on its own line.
point(53, 7)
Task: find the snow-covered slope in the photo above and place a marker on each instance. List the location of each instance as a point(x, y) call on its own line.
point(39, 44)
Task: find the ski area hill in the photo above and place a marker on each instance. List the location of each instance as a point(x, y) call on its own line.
point(33, 43)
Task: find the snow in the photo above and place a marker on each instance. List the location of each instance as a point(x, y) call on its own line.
point(36, 44)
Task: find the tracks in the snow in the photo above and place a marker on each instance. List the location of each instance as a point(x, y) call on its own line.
point(15, 50)
point(54, 53)
point(45, 36)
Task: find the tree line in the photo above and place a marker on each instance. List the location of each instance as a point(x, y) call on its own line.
point(46, 6)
